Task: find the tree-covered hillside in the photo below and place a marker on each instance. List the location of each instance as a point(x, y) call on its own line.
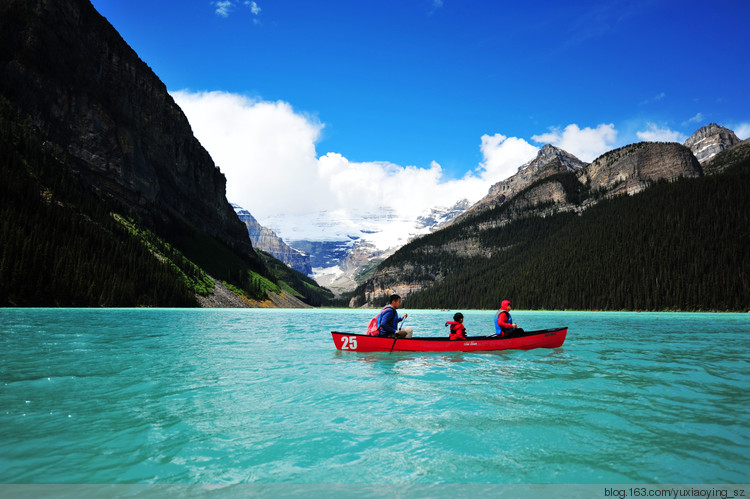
point(63, 246)
point(679, 245)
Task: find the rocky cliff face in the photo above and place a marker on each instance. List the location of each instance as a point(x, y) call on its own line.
point(547, 192)
point(549, 161)
point(86, 91)
point(629, 169)
point(266, 240)
point(710, 140)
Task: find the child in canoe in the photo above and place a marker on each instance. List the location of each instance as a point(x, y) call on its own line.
point(458, 331)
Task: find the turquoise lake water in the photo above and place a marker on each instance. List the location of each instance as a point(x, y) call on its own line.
point(262, 396)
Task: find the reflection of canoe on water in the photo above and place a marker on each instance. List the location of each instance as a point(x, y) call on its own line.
point(545, 338)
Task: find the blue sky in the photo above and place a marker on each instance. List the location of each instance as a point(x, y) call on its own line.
point(444, 89)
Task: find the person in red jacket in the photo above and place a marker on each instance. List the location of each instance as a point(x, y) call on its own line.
point(504, 324)
point(458, 331)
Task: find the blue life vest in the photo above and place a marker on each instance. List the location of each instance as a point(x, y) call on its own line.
point(498, 329)
point(380, 316)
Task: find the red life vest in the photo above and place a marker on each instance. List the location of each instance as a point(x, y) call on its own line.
point(458, 330)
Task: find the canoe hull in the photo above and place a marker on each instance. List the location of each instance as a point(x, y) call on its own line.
point(546, 338)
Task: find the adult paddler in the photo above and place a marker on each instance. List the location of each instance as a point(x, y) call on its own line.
point(504, 324)
point(389, 319)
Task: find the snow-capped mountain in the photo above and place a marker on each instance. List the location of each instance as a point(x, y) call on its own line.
point(341, 245)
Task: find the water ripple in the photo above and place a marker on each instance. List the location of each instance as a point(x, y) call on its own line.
point(262, 396)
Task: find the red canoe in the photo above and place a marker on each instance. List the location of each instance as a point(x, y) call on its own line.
point(545, 338)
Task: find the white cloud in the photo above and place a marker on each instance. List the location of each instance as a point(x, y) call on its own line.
point(741, 130)
point(656, 134)
point(254, 8)
point(267, 151)
point(503, 155)
point(223, 7)
point(695, 119)
point(586, 144)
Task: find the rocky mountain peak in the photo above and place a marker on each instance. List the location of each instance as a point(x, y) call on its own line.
point(548, 161)
point(551, 157)
point(710, 140)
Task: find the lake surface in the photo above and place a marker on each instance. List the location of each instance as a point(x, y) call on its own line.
point(263, 397)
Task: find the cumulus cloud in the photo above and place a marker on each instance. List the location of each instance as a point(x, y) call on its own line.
point(267, 151)
point(655, 134)
point(586, 144)
point(503, 155)
point(741, 130)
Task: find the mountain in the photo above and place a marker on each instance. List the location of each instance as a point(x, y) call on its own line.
point(344, 248)
point(632, 168)
point(541, 182)
point(438, 217)
point(710, 140)
point(109, 199)
point(266, 240)
point(549, 161)
point(89, 93)
point(641, 227)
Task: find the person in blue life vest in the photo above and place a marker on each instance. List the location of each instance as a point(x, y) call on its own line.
point(504, 324)
point(389, 319)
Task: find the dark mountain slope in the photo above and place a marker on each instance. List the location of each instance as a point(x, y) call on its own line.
point(679, 245)
point(60, 245)
point(86, 91)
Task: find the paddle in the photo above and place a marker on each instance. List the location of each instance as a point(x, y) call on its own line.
point(394, 339)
